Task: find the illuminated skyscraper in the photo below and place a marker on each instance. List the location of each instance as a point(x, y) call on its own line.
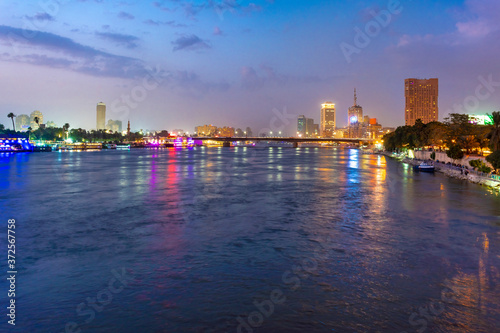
point(101, 116)
point(33, 123)
point(421, 101)
point(355, 113)
point(328, 119)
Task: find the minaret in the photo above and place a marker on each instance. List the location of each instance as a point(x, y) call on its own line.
point(128, 128)
point(355, 98)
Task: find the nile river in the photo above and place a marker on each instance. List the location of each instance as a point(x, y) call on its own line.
point(246, 240)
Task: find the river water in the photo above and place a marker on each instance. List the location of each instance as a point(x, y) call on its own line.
point(247, 240)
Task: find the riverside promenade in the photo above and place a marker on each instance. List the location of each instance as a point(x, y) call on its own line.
point(492, 181)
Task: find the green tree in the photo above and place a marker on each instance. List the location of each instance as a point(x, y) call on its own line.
point(494, 134)
point(29, 133)
point(460, 131)
point(2, 127)
point(11, 116)
point(455, 152)
point(433, 155)
point(494, 159)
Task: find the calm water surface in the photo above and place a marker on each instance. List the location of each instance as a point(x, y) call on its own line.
point(247, 240)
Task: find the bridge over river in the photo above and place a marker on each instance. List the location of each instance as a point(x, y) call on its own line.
point(226, 141)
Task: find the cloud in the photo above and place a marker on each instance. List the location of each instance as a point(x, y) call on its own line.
point(172, 24)
point(218, 31)
point(190, 43)
point(47, 49)
point(40, 16)
point(250, 79)
point(190, 84)
point(128, 41)
point(474, 29)
point(254, 79)
point(126, 16)
point(191, 9)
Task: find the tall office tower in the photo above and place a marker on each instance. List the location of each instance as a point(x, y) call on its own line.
point(328, 119)
point(301, 126)
point(421, 101)
point(309, 127)
point(101, 116)
point(33, 123)
point(355, 112)
point(22, 122)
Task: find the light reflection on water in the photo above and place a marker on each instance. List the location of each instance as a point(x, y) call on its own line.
point(209, 231)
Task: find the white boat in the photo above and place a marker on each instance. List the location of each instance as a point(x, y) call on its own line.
point(424, 167)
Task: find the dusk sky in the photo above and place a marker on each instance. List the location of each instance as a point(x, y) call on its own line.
point(228, 62)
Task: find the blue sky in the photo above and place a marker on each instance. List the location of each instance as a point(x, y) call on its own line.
point(177, 64)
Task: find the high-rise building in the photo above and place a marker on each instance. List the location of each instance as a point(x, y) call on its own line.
point(355, 112)
point(421, 101)
point(309, 127)
point(328, 120)
point(301, 126)
point(22, 122)
point(101, 116)
point(306, 127)
point(36, 114)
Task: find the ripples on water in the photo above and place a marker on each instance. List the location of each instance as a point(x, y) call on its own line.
point(350, 242)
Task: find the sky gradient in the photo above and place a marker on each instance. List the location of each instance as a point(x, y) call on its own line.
point(178, 64)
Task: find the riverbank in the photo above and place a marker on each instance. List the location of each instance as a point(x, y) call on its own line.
point(453, 172)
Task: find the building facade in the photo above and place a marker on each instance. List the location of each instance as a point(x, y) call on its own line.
point(22, 122)
point(328, 120)
point(226, 132)
point(421, 101)
point(114, 125)
point(36, 114)
point(206, 130)
point(101, 116)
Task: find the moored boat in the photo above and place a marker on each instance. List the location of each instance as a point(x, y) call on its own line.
point(424, 167)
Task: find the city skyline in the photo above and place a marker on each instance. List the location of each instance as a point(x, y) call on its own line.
point(163, 64)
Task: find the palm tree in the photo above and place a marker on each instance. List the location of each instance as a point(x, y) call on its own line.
point(29, 132)
point(494, 134)
point(11, 116)
point(65, 129)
